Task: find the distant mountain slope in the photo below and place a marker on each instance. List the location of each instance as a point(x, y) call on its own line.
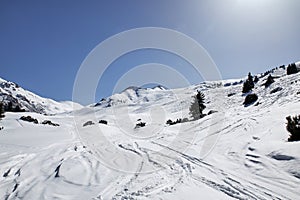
point(138, 95)
point(16, 98)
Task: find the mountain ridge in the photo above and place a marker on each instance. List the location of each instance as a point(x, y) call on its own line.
point(13, 96)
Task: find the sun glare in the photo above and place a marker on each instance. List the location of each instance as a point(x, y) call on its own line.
point(253, 3)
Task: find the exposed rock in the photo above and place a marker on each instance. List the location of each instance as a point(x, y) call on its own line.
point(231, 94)
point(211, 112)
point(88, 123)
point(276, 90)
point(29, 119)
point(250, 99)
point(49, 123)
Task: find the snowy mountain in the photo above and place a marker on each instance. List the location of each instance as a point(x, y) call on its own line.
point(238, 152)
point(28, 101)
point(133, 95)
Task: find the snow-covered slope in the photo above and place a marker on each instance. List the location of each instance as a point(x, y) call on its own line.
point(133, 95)
point(11, 92)
point(237, 153)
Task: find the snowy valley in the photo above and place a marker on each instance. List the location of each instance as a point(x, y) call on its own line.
point(238, 152)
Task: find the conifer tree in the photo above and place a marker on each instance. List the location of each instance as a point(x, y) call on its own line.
point(293, 126)
point(197, 106)
point(248, 84)
point(1, 110)
point(291, 69)
point(269, 81)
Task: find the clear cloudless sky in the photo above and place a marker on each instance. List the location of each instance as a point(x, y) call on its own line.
point(43, 43)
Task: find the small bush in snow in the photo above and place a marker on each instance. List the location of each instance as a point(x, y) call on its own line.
point(282, 67)
point(170, 122)
point(250, 98)
point(265, 74)
point(269, 81)
point(184, 120)
point(140, 124)
point(103, 122)
point(178, 121)
point(293, 126)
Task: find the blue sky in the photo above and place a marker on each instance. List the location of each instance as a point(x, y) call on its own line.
point(43, 43)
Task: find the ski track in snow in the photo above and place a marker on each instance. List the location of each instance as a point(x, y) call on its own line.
point(250, 160)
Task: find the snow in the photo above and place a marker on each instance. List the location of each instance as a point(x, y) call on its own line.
point(237, 153)
point(32, 102)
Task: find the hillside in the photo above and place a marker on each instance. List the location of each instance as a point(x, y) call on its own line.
point(238, 152)
point(28, 101)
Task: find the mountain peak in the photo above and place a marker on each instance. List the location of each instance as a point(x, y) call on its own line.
point(16, 98)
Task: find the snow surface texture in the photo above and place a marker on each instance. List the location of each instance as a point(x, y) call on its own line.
point(237, 153)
